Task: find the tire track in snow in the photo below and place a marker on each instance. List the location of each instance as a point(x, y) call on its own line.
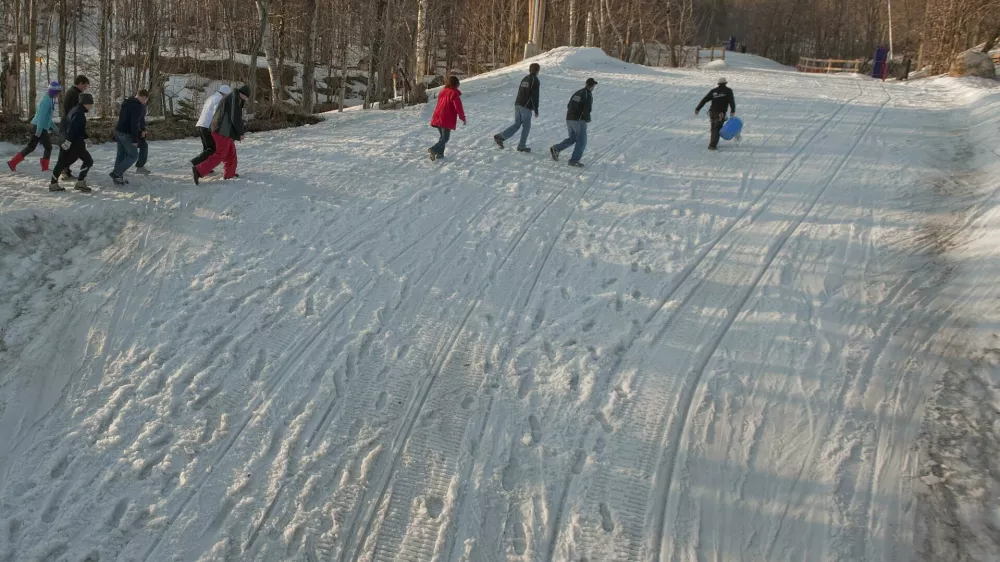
point(297, 353)
point(427, 538)
point(370, 502)
point(327, 416)
point(637, 498)
point(619, 148)
point(693, 378)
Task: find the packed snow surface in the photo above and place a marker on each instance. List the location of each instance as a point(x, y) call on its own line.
point(353, 353)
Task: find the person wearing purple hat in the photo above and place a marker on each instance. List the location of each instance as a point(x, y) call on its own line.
point(44, 127)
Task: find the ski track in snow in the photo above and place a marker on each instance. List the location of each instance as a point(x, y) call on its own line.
point(355, 354)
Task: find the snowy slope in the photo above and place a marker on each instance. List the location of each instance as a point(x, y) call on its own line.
point(958, 483)
point(355, 354)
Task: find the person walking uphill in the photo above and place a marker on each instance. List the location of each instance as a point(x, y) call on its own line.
point(525, 103)
point(75, 146)
point(721, 98)
point(80, 85)
point(577, 117)
point(446, 115)
point(44, 126)
point(130, 135)
point(227, 127)
point(204, 126)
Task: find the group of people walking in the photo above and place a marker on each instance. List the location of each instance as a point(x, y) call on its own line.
point(449, 110)
point(220, 125)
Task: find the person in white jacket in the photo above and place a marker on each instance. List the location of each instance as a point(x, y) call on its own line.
point(205, 124)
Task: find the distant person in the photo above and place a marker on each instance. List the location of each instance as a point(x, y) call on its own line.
point(743, 48)
point(75, 146)
point(721, 98)
point(204, 126)
point(130, 134)
point(446, 115)
point(44, 127)
point(227, 129)
point(525, 103)
point(577, 117)
point(80, 85)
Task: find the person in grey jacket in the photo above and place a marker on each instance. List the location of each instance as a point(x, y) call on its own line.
point(525, 103)
point(227, 128)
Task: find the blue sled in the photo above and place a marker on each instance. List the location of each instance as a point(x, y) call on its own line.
point(732, 129)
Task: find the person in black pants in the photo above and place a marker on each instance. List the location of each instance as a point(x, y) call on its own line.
point(80, 85)
point(721, 99)
point(75, 146)
point(204, 126)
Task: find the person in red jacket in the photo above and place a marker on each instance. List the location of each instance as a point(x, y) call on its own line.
point(446, 115)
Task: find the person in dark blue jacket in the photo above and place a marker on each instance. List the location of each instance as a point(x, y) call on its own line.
point(130, 136)
point(527, 101)
point(75, 146)
point(577, 117)
point(72, 99)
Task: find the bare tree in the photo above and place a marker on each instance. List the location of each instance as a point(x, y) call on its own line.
point(309, 57)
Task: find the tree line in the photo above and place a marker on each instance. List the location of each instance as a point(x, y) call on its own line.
point(391, 45)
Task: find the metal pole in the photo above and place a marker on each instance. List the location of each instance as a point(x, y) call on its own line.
point(889, 7)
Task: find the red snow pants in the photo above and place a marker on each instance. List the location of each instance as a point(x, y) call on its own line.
point(225, 153)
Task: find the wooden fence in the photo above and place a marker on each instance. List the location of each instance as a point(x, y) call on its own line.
point(690, 57)
point(828, 66)
point(713, 54)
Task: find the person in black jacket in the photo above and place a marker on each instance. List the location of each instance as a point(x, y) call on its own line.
point(525, 103)
point(577, 117)
point(721, 99)
point(227, 127)
point(75, 146)
point(80, 85)
point(130, 135)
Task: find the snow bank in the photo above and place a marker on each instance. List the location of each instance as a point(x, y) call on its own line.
point(958, 482)
point(753, 62)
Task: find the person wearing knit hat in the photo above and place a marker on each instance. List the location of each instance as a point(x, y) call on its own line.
point(44, 128)
point(227, 128)
point(74, 147)
point(204, 125)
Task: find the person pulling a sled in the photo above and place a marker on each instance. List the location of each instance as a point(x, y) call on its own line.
point(446, 115)
point(721, 98)
point(577, 118)
point(44, 128)
point(525, 103)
